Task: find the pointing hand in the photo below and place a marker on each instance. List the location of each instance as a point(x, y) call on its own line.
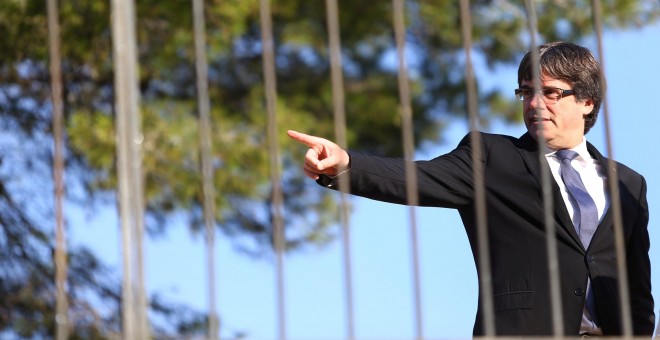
point(323, 157)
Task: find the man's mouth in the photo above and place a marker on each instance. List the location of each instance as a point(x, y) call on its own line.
point(537, 119)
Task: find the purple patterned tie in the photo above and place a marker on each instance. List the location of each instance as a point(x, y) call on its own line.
point(586, 217)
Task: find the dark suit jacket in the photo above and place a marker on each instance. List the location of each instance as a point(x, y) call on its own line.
point(517, 242)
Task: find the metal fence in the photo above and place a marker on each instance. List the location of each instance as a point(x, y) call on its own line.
point(135, 325)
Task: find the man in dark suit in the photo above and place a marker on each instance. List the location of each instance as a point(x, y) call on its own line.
point(562, 111)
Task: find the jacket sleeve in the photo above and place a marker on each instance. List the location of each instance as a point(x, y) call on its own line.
point(445, 181)
point(639, 271)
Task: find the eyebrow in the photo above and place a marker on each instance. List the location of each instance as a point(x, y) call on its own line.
point(527, 87)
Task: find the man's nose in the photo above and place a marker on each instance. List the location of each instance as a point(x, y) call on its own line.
point(536, 101)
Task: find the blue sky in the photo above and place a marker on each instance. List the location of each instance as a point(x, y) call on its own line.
point(381, 255)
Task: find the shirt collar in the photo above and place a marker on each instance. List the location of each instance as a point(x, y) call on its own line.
point(581, 149)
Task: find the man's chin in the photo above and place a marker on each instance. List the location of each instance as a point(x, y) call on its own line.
point(537, 133)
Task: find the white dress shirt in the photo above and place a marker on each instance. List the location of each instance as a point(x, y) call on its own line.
point(592, 174)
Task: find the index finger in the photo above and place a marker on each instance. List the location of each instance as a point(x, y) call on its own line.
point(308, 140)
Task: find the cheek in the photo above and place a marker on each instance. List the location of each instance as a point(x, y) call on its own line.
point(525, 108)
point(570, 119)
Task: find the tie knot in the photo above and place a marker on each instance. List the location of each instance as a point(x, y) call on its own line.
point(566, 155)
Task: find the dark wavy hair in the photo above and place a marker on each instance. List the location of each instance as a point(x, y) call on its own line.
point(571, 64)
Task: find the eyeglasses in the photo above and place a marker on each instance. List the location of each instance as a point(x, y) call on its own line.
point(548, 94)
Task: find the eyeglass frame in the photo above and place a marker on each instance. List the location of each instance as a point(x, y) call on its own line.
point(520, 96)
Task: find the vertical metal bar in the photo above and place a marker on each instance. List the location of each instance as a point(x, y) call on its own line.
point(138, 203)
point(203, 105)
point(61, 302)
point(485, 273)
point(546, 187)
point(273, 148)
point(340, 132)
point(129, 142)
point(626, 314)
point(408, 146)
point(138, 231)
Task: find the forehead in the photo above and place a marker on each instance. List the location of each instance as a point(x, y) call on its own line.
point(548, 82)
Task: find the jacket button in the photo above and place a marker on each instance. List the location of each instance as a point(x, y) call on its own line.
point(578, 292)
point(590, 258)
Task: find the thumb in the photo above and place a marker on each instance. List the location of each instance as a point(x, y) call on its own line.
point(335, 159)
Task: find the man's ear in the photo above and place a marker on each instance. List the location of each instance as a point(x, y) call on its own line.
point(587, 107)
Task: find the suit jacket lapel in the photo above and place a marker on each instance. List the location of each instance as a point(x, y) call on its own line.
point(608, 221)
point(529, 150)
